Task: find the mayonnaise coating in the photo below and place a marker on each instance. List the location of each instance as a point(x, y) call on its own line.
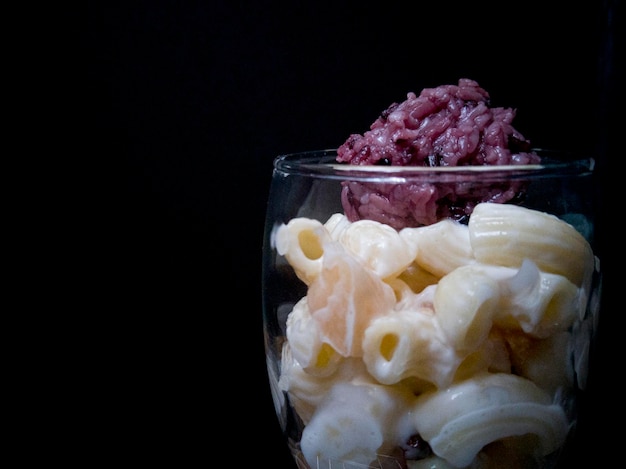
point(394, 339)
point(460, 420)
point(353, 422)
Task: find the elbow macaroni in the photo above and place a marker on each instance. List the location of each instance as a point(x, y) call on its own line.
point(440, 247)
point(433, 309)
point(409, 344)
point(502, 234)
point(300, 241)
point(378, 247)
point(315, 356)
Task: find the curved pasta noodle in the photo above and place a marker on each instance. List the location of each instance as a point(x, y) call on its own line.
point(466, 301)
point(303, 333)
point(306, 391)
point(407, 299)
point(401, 290)
point(417, 278)
point(440, 247)
point(378, 247)
point(472, 299)
point(541, 303)
point(301, 242)
point(459, 421)
point(336, 224)
point(344, 298)
point(392, 315)
point(364, 416)
point(504, 234)
point(409, 343)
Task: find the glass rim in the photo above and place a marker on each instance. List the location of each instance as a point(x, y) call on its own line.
point(322, 164)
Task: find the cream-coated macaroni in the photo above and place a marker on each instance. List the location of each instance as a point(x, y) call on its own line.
point(402, 320)
point(440, 247)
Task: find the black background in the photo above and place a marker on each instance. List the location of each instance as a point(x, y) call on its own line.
point(189, 102)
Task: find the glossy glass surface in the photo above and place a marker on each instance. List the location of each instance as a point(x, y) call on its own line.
point(429, 317)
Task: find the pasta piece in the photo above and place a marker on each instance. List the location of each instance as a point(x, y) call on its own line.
point(417, 278)
point(353, 422)
point(408, 300)
point(466, 301)
point(546, 362)
point(409, 343)
point(344, 298)
point(400, 289)
point(472, 299)
point(378, 247)
point(441, 247)
point(303, 333)
point(300, 241)
point(306, 391)
point(504, 234)
point(540, 303)
point(459, 421)
point(336, 224)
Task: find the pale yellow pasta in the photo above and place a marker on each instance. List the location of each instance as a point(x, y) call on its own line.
point(407, 299)
point(409, 344)
point(459, 421)
point(471, 299)
point(417, 278)
point(351, 425)
point(301, 242)
point(306, 391)
point(377, 246)
point(440, 247)
point(540, 303)
point(303, 333)
point(418, 331)
point(400, 289)
point(504, 234)
point(345, 297)
point(466, 301)
point(336, 224)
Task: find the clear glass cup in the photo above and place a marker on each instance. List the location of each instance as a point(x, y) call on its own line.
point(429, 317)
